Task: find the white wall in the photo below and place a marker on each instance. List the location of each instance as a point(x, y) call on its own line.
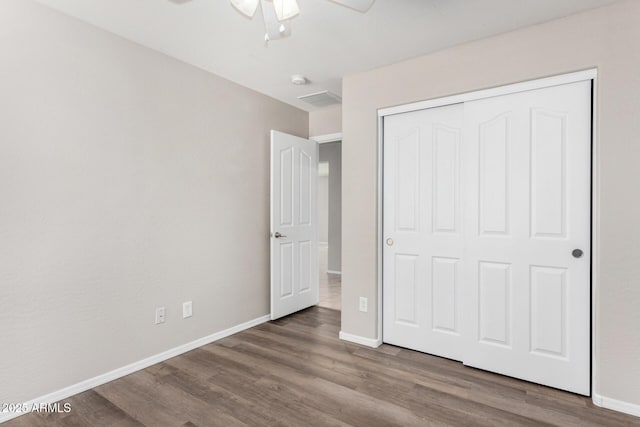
point(332, 153)
point(325, 121)
point(128, 180)
point(607, 38)
point(323, 208)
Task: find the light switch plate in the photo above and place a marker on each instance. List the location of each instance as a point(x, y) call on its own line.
point(187, 309)
point(363, 304)
point(160, 315)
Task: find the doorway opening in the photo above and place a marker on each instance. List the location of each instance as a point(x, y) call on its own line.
point(294, 226)
point(330, 224)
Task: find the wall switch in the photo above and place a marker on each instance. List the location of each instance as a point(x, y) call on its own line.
point(363, 304)
point(187, 309)
point(160, 315)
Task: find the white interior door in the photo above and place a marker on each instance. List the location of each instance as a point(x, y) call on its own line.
point(294, 224)
point(527, 293)
point(424, 243)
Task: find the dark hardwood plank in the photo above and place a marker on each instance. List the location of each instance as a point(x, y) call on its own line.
point(92, 409)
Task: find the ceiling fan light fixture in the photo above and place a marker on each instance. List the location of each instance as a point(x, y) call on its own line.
point(277, 14)
point(246, 7)
point(286, 9)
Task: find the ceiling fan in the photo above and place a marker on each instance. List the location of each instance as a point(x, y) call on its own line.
point(277, 16)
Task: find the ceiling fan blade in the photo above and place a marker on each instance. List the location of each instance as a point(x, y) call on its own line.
point(286, 9)
point(246, 7)
point(359, 5)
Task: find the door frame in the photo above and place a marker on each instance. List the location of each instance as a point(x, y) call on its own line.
point(561, 79)
point(324, 139)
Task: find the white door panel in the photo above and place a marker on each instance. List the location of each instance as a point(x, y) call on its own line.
point(422, 217)
point(483, 205)
point(294, 231)
point(527, 298)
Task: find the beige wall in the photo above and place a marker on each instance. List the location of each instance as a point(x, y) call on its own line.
point(325, 121)
point(323, 208)
point(331, 152)
point(128, 181)
point(607, 38)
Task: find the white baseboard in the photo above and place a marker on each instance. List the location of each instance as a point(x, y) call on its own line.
point(133, 367)
point(369, 342)
point(616, 405)
point(339, 273)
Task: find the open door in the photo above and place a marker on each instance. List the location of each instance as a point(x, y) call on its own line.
point(294, 224)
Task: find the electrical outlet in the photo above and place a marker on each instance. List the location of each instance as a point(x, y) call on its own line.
point(187, 309)
point(363, 304)
point(160, 315)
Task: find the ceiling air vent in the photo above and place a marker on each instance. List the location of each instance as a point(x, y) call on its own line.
point(321, 99)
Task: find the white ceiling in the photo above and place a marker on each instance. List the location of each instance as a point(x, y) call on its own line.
point(328, 42)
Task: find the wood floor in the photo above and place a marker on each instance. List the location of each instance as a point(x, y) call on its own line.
point(296, 372)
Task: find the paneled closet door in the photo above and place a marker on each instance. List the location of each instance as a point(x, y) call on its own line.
point(527, 248)
point(423, 231)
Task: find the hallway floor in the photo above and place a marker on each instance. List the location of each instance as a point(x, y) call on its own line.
point(330, 284)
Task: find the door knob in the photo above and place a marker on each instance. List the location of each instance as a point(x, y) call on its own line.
point(277, 235)
point(577, 253)
point(389, 242)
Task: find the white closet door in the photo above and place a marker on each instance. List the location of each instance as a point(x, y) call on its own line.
point(526, 216)
point(422, 258)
